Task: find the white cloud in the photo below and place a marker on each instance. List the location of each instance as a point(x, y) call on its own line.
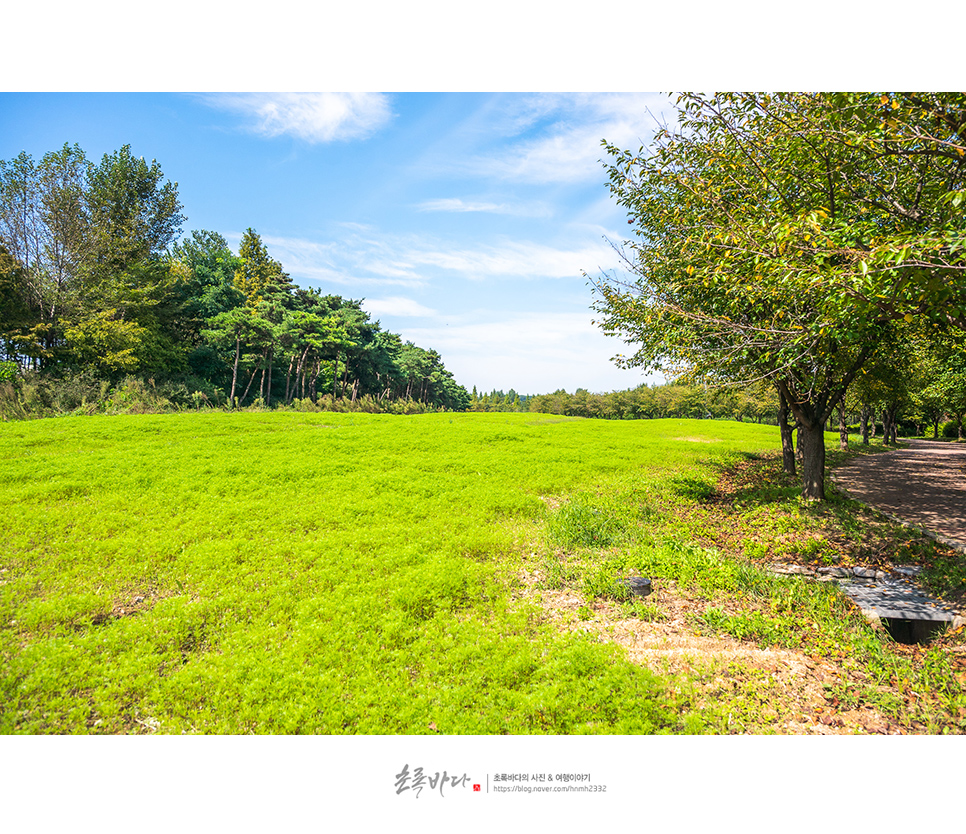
point(458, 205)
point(397, 306)
point(530, 352)
point(357, 259)
point(567, 147)
point(363, 257)
point(517, 259)
point(314, 117)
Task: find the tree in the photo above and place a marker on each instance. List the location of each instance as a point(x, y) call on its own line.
point(203, 268)
point(109, 344)
point(89, 240)
point(233, 307)
point(231, 330)
point(15, 316)
point(779, 236)
point(942, 376)
point(91, 278)
point(43, 226)
point(258, 274)
point(132, 214)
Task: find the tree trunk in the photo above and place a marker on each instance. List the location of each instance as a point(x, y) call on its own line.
point(843, 428)
point(889, 425)
point(864, 422)
point(300, 374)
point(251, 379)
point(288, 379)
point(315, 380)
point(811, 419)
point(234, 373)
point(788, 441)
point(268, 390)
point(812, 440)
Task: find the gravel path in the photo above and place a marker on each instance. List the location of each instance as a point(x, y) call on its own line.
point(923, 483)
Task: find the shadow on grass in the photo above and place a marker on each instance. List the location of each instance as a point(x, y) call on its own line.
point(860, 534)
point(695, 489)
point(754, 479)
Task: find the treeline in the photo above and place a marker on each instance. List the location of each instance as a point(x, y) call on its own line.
point(755, 403)
point(758, 404)
point(498, 401)
point(926, 398)
point(97, 296)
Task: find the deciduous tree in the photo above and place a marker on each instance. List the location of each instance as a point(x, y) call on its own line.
point(779, 236)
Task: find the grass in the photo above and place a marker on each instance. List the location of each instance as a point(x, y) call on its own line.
point(354, 573)
point(710, 540)
point(302, 573)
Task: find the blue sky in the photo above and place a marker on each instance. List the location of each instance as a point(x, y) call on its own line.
point(465, 220)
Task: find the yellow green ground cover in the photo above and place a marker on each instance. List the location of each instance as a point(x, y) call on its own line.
point(353, 573)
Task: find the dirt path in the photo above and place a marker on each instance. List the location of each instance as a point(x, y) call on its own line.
point(923, 483)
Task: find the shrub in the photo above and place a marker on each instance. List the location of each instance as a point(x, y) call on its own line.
point(8, 372)
point(304, 405)
point(79, 392)
point(950, 429)
point(10, 406)
point(36, 396)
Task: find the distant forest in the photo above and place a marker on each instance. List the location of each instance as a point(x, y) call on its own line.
point(758, 403)
point(101, 308)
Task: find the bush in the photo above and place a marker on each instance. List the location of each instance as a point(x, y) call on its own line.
point(907, 428)
point(135, 396)
point(304, 405)
point(408, 407)
point(81, 392)
point(368, 404)
point(8, 372)
point(10, 406)
point(46, 395)
point(950, 430)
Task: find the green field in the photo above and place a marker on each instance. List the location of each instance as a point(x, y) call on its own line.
point(316, 573)
point(350, 573)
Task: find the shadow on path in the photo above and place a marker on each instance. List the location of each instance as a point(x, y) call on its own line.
point(923, 483)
